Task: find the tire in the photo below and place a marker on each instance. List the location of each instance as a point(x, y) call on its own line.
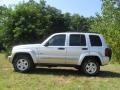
point(90, 67)
point(23, 63)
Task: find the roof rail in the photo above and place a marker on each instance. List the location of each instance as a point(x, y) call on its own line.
point(82, 32)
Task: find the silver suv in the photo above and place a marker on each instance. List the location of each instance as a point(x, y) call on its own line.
point(84, 51)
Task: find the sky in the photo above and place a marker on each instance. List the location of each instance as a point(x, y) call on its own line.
point(85, 8)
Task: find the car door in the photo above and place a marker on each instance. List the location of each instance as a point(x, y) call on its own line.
point(77, 46)
point(54, 50)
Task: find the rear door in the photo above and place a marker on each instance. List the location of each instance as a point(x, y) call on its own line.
point(77, 45)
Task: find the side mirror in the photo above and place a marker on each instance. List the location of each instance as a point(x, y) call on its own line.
point(47, 44)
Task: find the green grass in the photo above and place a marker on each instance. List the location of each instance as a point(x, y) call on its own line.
point(58, 78)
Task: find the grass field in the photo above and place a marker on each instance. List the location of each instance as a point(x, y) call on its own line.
point(58, 78)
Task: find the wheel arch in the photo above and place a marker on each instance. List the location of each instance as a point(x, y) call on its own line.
point(85, 57)
point(92, 57)
point(23, 53)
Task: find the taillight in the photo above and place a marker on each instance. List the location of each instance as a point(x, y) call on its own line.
point(108, 52)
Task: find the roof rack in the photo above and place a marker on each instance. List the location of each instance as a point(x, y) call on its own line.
point(81, 32)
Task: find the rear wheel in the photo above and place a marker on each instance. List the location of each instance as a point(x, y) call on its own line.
point(23, 63)
point(90, 67)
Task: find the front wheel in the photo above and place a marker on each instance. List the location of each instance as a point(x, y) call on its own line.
point(90, 67)
point(23, 63)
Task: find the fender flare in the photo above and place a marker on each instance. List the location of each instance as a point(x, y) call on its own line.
point(94, 54)
point(26, 51)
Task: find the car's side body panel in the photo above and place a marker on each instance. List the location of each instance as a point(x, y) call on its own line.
point(70, 55)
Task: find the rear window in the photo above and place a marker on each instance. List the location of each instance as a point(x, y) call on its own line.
point(77, 40)
point(95, 40)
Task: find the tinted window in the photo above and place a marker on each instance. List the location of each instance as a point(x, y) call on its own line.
point(58, 40)
point(77, 40)
point(95, 40)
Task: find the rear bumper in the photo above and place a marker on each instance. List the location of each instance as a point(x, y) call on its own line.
point(105, 60)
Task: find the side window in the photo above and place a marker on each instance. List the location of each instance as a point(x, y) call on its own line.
point(58, 40)
point(77, 40)
point(95, 40)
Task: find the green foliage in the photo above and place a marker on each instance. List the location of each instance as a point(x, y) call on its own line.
point(79, 24)
point(31, 22)
point(4, 13)
point(108, 25)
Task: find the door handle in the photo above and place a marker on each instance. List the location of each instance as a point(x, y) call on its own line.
point(84, 48)
point(61, 48)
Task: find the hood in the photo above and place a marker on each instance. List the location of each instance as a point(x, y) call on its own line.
point(27, 46)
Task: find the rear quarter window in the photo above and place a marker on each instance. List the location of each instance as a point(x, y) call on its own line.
point(95, 40)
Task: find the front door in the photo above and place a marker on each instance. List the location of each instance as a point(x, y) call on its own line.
point(54, 51)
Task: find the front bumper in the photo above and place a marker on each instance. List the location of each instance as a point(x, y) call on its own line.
point(10, 59)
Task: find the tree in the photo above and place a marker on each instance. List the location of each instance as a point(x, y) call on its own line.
point(108, 24)
point(4, 14)
point(31, 22)
point(79, 23)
